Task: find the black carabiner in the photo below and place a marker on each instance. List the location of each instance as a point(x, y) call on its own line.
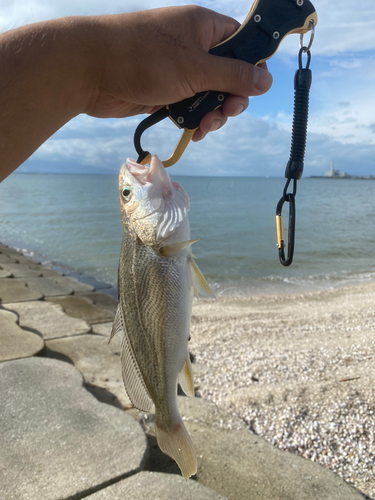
point(289, 198)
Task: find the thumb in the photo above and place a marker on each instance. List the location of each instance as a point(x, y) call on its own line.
point(234, 76)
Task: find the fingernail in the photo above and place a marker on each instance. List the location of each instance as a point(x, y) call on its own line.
point(215, 125)
point(262, 79)
point(240, 108)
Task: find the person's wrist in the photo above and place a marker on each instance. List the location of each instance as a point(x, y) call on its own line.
point(85, 49)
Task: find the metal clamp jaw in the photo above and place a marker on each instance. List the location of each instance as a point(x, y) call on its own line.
point(145, 156)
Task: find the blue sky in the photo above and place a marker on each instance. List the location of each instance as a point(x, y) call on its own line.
point(257, 143)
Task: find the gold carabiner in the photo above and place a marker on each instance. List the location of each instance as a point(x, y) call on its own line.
point(144, 156)
point(177, 153)
point(182, 144)
point(280, 241)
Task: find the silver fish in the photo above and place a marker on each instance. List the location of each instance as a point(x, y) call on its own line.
point(157, 280)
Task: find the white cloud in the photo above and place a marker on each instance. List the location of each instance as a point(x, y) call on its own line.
point(350, 81)
point(341, 112)
point(343, 27)
point(89, 141)
point(245, 146)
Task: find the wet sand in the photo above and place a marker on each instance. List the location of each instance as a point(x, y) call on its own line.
point(299, 369)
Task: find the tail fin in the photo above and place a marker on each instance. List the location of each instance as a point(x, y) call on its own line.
point(177, 444)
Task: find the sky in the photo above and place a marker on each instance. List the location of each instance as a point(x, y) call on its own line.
point(257, 143)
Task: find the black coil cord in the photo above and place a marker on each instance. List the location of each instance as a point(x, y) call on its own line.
point(294, 167)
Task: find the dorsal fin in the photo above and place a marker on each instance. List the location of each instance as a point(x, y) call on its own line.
point(131, 374)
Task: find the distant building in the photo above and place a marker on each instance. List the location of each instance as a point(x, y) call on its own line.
point(334, 173)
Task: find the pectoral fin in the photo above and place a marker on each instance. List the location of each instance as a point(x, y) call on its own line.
point(199, 281)
point(174, 248)
point(186, 380)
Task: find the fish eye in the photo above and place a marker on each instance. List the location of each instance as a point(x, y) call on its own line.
point(126, 193)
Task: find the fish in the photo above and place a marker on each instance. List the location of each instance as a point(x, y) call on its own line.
point(157, 280)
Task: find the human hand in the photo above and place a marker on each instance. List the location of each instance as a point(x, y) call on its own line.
point(114, 66)
point(151, 58)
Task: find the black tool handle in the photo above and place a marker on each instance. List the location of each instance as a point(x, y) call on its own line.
point(258, 38)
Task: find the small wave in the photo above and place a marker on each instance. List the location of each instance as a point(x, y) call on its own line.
point(281, 285)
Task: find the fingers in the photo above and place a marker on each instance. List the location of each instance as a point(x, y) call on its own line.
point(214, 120)
point(233, 76)
point(222, 27)
point(234, 105)
point(260, 82)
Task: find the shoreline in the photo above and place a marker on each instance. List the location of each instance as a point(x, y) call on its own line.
point(283, 286)
point(66, 270)
point(297, 368)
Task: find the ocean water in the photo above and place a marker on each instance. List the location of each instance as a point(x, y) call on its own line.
point(74, 221)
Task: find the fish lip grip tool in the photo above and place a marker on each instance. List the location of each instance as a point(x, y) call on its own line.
point(256, 40)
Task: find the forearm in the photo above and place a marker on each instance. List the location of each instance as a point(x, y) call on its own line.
point(44, 83)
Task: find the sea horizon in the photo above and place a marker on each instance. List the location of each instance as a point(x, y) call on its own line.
point(76, 226)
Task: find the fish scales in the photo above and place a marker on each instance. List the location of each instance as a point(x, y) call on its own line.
point(157, 276)
point(152, 314)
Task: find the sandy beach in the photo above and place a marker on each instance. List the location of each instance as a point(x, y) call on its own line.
point(299, 369)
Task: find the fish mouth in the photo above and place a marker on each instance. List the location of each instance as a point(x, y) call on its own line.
point(154, 174)
point(138, 171)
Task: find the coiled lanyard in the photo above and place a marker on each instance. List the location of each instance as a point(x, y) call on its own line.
point(294, 167)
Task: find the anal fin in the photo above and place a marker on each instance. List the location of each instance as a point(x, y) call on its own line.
point(201, 287)
point(186, 380)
